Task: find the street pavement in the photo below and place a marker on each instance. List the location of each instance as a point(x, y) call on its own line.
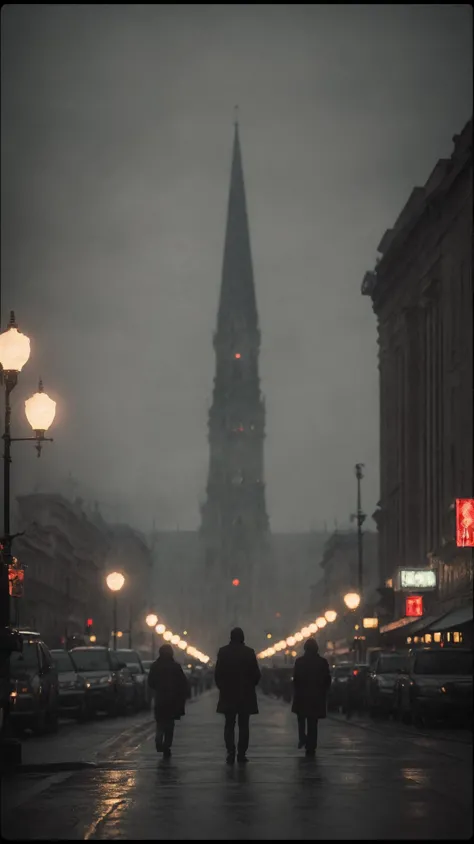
point(366, 783)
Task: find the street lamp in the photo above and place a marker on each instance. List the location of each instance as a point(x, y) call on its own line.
point(115, 581)
point(352, 600)
point(160, 629)
point(321, 622)
point(40, 411)
point(152, 621)
point(330, 616)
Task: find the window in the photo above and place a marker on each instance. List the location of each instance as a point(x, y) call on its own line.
point(63, 662)
point(26, 660)
point(91, 660)
point(444, 662)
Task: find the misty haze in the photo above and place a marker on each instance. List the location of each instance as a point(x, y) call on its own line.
point(239, 239)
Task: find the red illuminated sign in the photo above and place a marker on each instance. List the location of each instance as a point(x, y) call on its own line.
point(414, 606)
point(465, 522)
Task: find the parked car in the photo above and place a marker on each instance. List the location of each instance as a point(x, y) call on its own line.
point(355, 690)
point(337, 693)
point(109, 683)
point(72, 686)
point(34, 686)
point(381, 682)
point(135, 665)
point(437, 683)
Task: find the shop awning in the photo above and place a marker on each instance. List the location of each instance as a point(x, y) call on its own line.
point(410, 625)
point(452, 620)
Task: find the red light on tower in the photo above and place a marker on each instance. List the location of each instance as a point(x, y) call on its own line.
point(236, 581)
point(237, 355)
point(414, 606)
point(465, 522)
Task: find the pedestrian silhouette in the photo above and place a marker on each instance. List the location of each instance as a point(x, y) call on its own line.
point(311, 682)
point(236, 676)
point(170, 687)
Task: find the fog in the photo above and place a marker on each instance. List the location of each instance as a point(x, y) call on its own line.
point(116, 152)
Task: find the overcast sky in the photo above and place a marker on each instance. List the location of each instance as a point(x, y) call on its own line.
point(116, 153)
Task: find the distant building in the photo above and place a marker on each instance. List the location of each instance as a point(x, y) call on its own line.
point(64, 554)
point(339, 568)
point(422, 295)
point(67, 554)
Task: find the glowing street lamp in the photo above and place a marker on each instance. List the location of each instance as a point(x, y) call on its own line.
point(160, 629)
point(115, 581)
point(313, 627)
point(175, 639)
point(298, 637)
point(167, 635)
point(330, 616)
point(291, 641)
point(321, 622)
point(152, 621)
point(352, 600)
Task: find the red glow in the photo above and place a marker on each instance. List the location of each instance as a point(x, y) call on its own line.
point(236, 581)
point(237, 355)
point(355, 672)
point(278, 615)
point(414, 606)
point(89, 622)
point(465, 522)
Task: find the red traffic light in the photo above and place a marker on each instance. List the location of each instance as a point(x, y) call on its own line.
point(236, 581)
point(89, 622)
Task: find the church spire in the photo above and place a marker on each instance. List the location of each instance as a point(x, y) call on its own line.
point(237, 294)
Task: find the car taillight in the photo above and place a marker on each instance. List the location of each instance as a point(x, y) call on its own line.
point(355, 672)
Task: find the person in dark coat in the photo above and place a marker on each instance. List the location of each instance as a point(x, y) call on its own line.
point(236, 676)
point(311, 682)
point(170, 687)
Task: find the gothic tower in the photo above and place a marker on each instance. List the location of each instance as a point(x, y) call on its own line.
point(234, 527)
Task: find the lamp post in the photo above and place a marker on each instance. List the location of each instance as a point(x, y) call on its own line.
point(40, 411)
point(360, 518)
point(152, 621)
point(115, 581)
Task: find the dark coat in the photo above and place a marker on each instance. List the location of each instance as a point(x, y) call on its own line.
point(311, 682)
point(236, 675)
point(170, 688)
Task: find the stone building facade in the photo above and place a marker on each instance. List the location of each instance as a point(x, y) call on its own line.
point(67, 553)
point(421, 292)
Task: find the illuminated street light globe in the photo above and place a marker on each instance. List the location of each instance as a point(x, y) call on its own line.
point(282, 644)
point(40, 410)
point(305, 632)
point(167, 635)
point(352, 600)
point(160, 629)
point(313, 627)
point(115, 581)
point(271, 651)
point(291, 641)
point(191, 651)
point(298, 637)
point(182, 644)
point(330, 615)
point(152, 620)
point(321, 622)
point(14, 347)
point(175, 639)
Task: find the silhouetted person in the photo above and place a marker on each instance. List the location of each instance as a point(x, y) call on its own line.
point(171, 690)
point(311, 682)
point(236, 676)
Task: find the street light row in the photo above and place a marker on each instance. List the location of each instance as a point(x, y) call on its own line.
point(115, 580)
point(351, 600)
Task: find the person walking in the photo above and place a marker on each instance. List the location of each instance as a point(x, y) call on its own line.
point(170, 691)
point(311, 682)
point(236, 676)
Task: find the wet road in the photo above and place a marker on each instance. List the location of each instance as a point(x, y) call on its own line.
point(366, 783)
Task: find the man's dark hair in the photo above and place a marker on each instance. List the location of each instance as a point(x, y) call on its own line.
point(237, 635)
point(311, 646)
point(166, 651)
